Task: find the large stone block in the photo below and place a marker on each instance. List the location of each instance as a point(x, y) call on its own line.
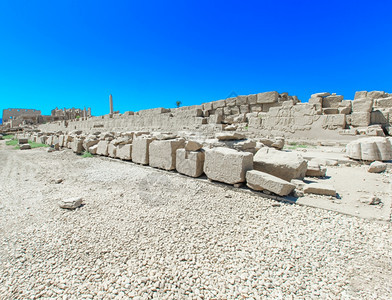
point(376, 94)
point(218, 104)
point(332, 101)
point(320, 189)
point(383, 102)
point(360, 94)
point(267, 97)
point(112, 149)
point(362, 105)
point(77, 145)
point(227, 165)
point(334, 121)
point(140, 149)
point(360, 119)
point(124, 152)
point(102, 148)
point(241, 100)
point(190, 163)
point(285, 165)
point(260, 181)
point(162, 154)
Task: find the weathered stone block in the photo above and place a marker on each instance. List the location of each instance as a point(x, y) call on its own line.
point(330, 111)
point(383, 103)
point(77, 145)
point(124, 152)
point(162, 154)
point(267, 97)
point(285, 165)
point(334, 121)
point(370, 149)
point(218, 104)
point(252, 99)
point(140, 149)
point(377, 167)
point(360, 119)
point(25, 146)
point(190, 163)
point(193, 146)
point(241, 100)
point(112, 149)
point(102, 148)
point(227, 165)
point(320, 189)
point(360, 94)
point(332, 101)
point(379, 117)
point(225, 136)
point(23, 141)
point(260, 181)
point(362, 105)
point(376, 94)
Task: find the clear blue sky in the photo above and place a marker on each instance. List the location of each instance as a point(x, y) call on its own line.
point(153, 53)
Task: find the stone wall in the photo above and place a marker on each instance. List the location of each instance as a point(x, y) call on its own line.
point(12, 113)
point(270, 113)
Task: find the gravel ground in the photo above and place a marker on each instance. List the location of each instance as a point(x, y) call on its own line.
point(146, 233)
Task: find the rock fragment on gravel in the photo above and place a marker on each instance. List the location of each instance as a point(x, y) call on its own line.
point(25, 147)
point(377, 167)
point(70, 203)
point(320, 189)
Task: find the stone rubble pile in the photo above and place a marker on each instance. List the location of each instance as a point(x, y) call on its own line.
point(229, 157)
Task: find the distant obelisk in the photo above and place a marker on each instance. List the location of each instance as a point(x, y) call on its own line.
point(111, 103)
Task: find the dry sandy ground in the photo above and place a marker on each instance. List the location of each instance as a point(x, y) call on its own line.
point(146, 233)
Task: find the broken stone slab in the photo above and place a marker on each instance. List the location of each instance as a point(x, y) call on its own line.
point(323, 94)
point(25, 147)
point(320, 189)
point(377, 167)
point(140, 149)
point(227, 165)
point(193, 146)
point(227, 136)
point(162, 153)
point(285, 165)
point(70, 203)
point(112, 149)
point(77, 146)
point(93, 149)
point(332, 101)
point(360, 119)
point(315, 170)
point(124, 152)
point(189, 163)
point(102, 148)
point(261, 181)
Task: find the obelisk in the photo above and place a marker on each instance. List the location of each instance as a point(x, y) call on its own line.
point(111, 103)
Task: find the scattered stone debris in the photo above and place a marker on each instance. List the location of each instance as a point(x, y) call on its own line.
point(320, 189)
point(377, 167)
point(71, 203)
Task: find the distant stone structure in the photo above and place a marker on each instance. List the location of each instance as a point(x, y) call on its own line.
point(111, 103)
point(13, 113)
point(70, 113)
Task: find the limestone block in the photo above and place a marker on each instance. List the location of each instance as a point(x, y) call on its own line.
point(23, 141)
point(362, 105)
point(323, 94)
point(315, 170)
point(256, 108)
point(241, 100)
point(332, 101)
point(360, 119)
point(330, 111)
point(244, 109)
point(231, 101)
point(207, 106)
point(267, 97)
point(254, 122)
point(193, 146)
point(344, 110)
point(235, 110)
point(376, 94)
point(112, 149)
point(260, 181)
point(190, 163)
point(383, 102)
point(377, 167)
point(215, 119)
point(227, 165)
point(140, 149)
point(316, 100)
point(102, 148)
point(252, 99)
point(162, 154)
point(77, 145)
point(90, 141)
point(320, 189)
point(224, 136)
point(370, 149)
point(285, 165)
point(218, 104)
point(268, 106)
point(124, 152)
point(375, 130)
point(93, 149)
point(219, 111)
point(71, 203)
point(226, 111)
point(334, 121)
point(361, 94)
